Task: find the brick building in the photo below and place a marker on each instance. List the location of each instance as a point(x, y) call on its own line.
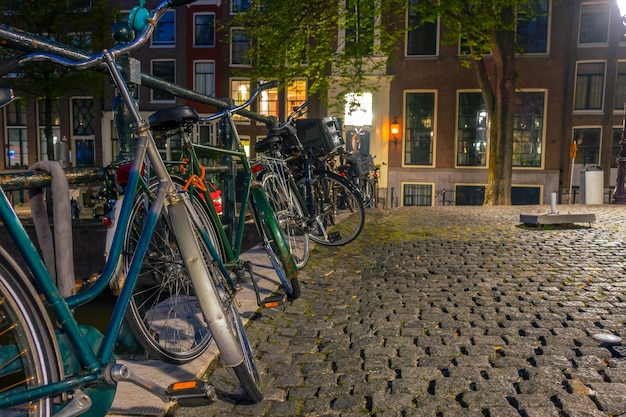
point(572, 87)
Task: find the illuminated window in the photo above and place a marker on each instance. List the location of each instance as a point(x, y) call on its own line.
point(240, 92)
point(358, 111)
point(268, 104)
point(296, 95)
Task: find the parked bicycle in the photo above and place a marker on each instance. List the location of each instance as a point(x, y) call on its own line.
point(316, 201)
point(50, 363)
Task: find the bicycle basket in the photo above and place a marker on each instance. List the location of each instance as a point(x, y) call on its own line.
point(361, 164)
point(320, 136)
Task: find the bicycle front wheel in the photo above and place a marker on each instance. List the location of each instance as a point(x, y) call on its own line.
point(275, 244)
point(337, 206)
point(164, 313)
point(28, 355)
point(283, 197)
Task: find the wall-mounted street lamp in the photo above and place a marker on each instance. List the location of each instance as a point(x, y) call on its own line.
point(619, 195)
point(394, 128)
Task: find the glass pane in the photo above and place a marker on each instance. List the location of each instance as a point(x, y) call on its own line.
point(82, 113)
point(17, 152)
point(589, 86)
point(594, 23)
point(240, 45)
point(472, 130)
point(528, 129)
point(205, 78)
point(417, 195)
point(268, 104)
point(204, 30)
point(296, 95)
point(588, 140)
point(165, 71)
point(620, 86)
point(165, 31)
point(421, 38)
point(532, 32)
point(359, 109)
point(419, 131)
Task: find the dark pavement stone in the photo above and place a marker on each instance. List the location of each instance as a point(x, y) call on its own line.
point(448, 311)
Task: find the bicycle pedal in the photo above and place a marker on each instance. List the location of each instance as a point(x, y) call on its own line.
point(192, 393)
point(272, 301)
point(334, 236)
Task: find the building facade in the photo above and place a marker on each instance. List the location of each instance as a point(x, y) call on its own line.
point(572, 84)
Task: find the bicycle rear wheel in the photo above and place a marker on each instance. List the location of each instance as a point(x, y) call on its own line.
point(337, 206)
point(283, 197)
point(164, 313)
point(274, 242)
point(28, 355)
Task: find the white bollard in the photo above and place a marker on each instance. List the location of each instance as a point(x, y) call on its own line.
point(553, 204)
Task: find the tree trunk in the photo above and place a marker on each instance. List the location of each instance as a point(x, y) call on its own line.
point(498, 191)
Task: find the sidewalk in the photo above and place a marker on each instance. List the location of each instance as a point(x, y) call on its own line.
point(131, 400)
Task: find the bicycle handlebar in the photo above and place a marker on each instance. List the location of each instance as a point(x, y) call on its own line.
point(142, 17)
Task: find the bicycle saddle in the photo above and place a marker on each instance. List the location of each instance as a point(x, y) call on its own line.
point(172, 118)
point(267, 143)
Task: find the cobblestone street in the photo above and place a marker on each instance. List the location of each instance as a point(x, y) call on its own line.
point(448, 311)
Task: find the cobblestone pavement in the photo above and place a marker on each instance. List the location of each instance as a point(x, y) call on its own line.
point(448, 311)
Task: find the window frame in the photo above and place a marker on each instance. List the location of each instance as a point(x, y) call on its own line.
point(195, 26)
point(405, 127)
point(245, 62)
point(241, 80)
point(606, 23)
point(418, 30)
point(403, 184)
point(154, 43)
point(587, 98)
point(542, 131)
point(153, 91)
point(458, 129)
point(196, 74)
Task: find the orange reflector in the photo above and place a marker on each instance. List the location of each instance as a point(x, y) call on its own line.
point(178, 386)
point(271, 304)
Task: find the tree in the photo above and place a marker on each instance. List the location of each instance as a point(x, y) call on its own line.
point(83, 24)
point(489, 27)
point(294, 38)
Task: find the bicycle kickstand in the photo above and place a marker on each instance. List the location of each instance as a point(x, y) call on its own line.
point(269, 301)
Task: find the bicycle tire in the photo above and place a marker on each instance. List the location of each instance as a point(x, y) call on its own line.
point(283, 197)
point(274, 242)
point(27, 337)
point(337, 207)
point(163, 312)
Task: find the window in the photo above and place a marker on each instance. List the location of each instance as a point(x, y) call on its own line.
point(525, 195)
point(17, 146)
point(589, 90)
point(165, 31)
point(83, 131)
point(620, 86)
point(238, 6)
point(239, 92)
point(360, 24)
point(239, 46)
point(204, 77)
point(469, 195)
point(588, 140)
point(417, 195)
point(419, 132)
point(594, 23)
point(204, 29)
point(472, 125)
point(359, 109)
point(268, 103)
point(165, 70)
point(532, 31)
point(296, 95)
point(421, 39)
point(56, 131)
point(528, 129)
